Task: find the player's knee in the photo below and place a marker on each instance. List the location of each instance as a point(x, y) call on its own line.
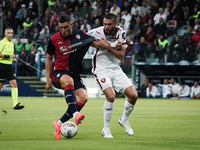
point(110, 97)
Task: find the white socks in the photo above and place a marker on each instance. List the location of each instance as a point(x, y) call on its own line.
point(128, 108)
point(59, 122)
point(107, 112)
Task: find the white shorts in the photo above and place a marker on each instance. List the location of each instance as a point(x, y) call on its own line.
point(115, 78)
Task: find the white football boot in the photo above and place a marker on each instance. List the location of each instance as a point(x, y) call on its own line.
point(106, 133)
point(126, 126)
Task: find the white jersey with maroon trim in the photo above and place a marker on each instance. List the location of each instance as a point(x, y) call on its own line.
point(103, 58)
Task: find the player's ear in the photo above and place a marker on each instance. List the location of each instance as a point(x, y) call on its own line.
point(72, 24)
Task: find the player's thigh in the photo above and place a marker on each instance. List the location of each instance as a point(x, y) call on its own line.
point(104, 78)
point(110, 94)
point(121, 81)
point(131, 94)
point(66, 80)
point(81, 95)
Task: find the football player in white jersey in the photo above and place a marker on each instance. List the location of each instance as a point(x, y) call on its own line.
point(195, 91)
point(108, 73)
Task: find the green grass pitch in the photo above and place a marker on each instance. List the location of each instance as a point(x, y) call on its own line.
point(157, 124)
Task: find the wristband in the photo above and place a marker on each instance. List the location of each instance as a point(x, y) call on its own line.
point(6, 56)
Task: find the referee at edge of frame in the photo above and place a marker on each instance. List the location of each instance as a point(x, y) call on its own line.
point(6, 69)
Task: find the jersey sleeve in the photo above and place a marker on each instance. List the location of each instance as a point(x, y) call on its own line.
point(87, 39)
point(50, 48)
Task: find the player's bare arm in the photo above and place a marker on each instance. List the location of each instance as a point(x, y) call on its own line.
point(48, 72)
point(119, 54)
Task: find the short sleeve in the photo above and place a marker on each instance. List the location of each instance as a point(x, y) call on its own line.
point(50, 48)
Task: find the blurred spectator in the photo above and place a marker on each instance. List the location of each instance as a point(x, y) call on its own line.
point(5, 4)
point(54, 17)
point(87, 2)
point(52, 27)
point(143, 88)
point(187, 54)
point(136, 26)
point(123, 25)
point(96, 16)
point(64, 8)
point(129, 33)
point(21, 15)
point(148, 16)
point(32, 9)
point(167, 9)
point(9, 21)
point(35, 34)
point(88, 18)
point(27, 22)
point(35, 44)
point(167, 56)
point(136, 48)
point(28, 45)
point(144, 9)
point(85, 9)
point(177, 44)
point(97, 24)
point(129, 45)
point(21, 66)
point(150, 36)
point(40, 52)
point(196, 36)
point(161, 45)
point(74, 4)
point(24, 33)
point(55, 30)
point(152, 91)
point(145, 26)
point(44, 44)
point(194, 14)
point(55, 7)
point(86, 25)
point(76, 13)
point(175, 87)
point(31, 61)
point(46, 17)
point(184, 91)
point(188, 35)
point(166, 90)
point(177, 13)
point(160, 28)
point(195, 91)
point(196, 25)
point(98, 8)
point(108, 6)
point(143, 50)
point(127, 17)
point(196, 52)
point(155, 8)
point(134, 17)
point(35, 24)
point(126, 6)
point(115, 9)
point(18, 45)
point(76, 25)
point(134, 8)
point(159, 15)
point(44, 34)
point(13, 8)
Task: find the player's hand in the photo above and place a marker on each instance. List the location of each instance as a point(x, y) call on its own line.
point(12, 56)
point(14, 60)
point(103, 44)
point(48, 86)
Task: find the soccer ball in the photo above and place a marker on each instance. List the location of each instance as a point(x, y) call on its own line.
point(69, 129)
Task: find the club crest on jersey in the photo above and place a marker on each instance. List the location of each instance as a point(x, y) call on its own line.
point(78, 36)
point(103, 80)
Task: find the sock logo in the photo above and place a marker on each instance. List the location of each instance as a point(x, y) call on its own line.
point(108, 109)
point(68, 95)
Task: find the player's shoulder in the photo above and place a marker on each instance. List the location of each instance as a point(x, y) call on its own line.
point(55, 36)
point(98, 30)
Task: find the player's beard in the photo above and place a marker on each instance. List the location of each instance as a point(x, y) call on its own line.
point(66, 33)
point(110, 32)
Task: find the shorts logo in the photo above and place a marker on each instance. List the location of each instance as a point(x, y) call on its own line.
point(78, 36)
point(58, 75)
point(103, 80)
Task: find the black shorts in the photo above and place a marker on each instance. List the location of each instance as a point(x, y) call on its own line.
point(6, 71)
point(57, 74)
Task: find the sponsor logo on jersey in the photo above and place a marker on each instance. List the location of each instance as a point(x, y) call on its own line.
point(63, 48)
point(78, 36)
point(90, 33)
point(103, 80)
point(60, 42)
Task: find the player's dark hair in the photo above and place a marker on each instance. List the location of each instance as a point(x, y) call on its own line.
point(8, 28)
point(111, 16)
point(64, 18)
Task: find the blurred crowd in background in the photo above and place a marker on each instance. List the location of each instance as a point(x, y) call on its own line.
point(156, 30)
